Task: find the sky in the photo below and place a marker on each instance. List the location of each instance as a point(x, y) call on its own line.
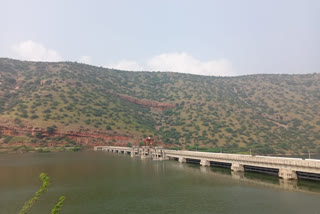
point(213, 37)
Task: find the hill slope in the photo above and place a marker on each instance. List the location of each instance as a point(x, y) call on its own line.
point(266, 113)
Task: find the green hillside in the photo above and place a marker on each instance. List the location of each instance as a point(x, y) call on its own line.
point(265, 113)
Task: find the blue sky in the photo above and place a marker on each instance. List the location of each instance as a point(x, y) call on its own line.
point(202, 37)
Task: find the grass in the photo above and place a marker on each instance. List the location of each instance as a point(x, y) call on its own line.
point(16, 139)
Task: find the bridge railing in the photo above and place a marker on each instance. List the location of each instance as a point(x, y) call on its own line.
point(119, 148)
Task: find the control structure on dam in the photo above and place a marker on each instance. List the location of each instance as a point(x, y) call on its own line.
point(286, 168)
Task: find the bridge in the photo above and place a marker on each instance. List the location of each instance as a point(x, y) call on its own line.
point(156, 153)
point(286, 168)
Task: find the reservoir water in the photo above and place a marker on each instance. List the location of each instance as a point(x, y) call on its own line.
point(102, 182)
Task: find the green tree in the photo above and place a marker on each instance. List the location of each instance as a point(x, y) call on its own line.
point(38, 135)
point(51, 129)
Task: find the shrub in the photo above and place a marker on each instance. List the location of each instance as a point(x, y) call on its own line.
point(7, 139)
point(17, 121)
point(43, 150)
point(34, 116)
point(38, 135)
point(76, 149)
point(51, 129)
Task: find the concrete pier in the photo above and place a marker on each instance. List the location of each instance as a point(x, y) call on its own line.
point(287, 174)
point(145, 152)
point(237, 167)
point(182, 160)
point(204, 162)
point(158, 153)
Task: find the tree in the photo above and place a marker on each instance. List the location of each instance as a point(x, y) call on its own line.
point(51, 129)
point(39, 135)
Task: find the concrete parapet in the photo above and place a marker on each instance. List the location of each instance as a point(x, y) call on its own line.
point(287, 174)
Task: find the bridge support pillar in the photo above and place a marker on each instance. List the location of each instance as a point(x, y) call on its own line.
point(204, 162)
point(182, 160)
point(287, 174)
point(237, 167)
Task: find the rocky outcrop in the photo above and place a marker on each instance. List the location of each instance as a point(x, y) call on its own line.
point(146, 103)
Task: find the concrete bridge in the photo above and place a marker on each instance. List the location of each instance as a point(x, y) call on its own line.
point(156, 153)
point(286, 168)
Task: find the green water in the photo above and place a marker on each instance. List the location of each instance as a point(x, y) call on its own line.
point(101, 182)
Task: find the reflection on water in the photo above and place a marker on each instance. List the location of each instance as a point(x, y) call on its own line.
point(259, 179)
point(100, 182)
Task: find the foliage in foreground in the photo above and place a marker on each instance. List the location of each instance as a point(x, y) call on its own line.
point(44, 188)
point(57, 208)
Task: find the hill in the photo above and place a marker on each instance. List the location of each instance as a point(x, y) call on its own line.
point(268, 114)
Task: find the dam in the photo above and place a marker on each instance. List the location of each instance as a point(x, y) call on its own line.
point(285, 168)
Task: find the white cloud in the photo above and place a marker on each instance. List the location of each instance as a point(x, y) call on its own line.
point(181, 63)
point(30, 50)
point(126, 65)
point(85, 59)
